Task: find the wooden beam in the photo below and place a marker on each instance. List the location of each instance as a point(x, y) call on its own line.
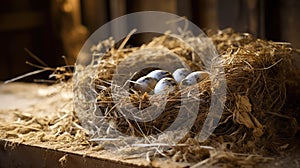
point(22, 155)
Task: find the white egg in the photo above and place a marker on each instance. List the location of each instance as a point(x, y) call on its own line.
point(165, 85)
point(145, 84)
point(194, 78)
point(180, 74)
point(159, 74)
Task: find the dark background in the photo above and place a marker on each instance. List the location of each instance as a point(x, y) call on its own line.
point(52, 28)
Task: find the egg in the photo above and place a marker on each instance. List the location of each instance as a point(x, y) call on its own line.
point(165, 85)
point(194, 78)
point(159, 74)
point(145, 84)
point(180, 74)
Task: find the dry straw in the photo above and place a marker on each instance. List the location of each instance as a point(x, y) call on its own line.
point(256, 75)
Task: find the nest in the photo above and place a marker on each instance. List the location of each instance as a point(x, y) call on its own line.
point(254, 117)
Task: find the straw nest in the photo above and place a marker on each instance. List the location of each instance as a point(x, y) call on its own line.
point(253, 120)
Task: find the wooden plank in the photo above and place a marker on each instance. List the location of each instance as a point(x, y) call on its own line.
point(253, 16)
point(94, 13)
point(169, 6)
point(117, 9)
point(205, 13)
point(27, 98)
point(256, 17)
point(183, 8)
point(243, 16)
point(234, 14)
point(21, 155)
point(43, 101)
point(289, 21)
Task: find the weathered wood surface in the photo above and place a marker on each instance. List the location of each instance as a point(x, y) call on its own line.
point(43, 101)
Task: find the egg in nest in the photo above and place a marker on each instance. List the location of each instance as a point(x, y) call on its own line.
point(145, 84)
point(165, 85)
point(194, 77)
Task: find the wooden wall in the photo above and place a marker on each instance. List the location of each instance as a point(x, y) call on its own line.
point(25, 24)
point(52, 28)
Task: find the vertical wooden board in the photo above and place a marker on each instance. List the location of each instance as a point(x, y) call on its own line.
point(253, 16)
point(282, 21)
point(233, 13)
point(290, 21)
point(169, 6)
point(205, 13)
point(256, 17)
point(94, 14)
point(261, 19)
point(117, 8)
point(184, 8)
